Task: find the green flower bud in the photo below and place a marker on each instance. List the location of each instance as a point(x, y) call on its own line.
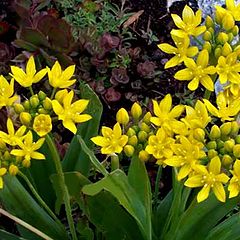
point(207, 46)
point(199, 134)
point(131, 132)
point(129, 150)
point(13, 170)
point(7, 155)
point(18, 108)
point(145, 127)
point(212, 145)
point(226, 49)
point(230, 37)
point(133, 140)
point(222, 151)
point(136, 128)
point(222, 38)
point(2, 144)
point(26, 105)
point(41, 95)
point(207, 36)
point(236, 150)
point(212, 153)
point(47, 104)
point(209, 22)
point(237, 139)
point(235, 30)
point(147, 118)
point(226, 128)
point(228, 145)
point(136, 111)
point(143, 155)
point(226, 160)
point(114, 162)
point(34, 101)
point(220, 144)
point(142, 136)
point(235, 128)
point(122, 116)
point(42, 111)
point(228, 21)
point(218, 52)
point(211, 30)
point(26, 163)
point(215, 132)
point(25, 118)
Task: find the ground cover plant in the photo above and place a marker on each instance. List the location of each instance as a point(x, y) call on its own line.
point(85, 153)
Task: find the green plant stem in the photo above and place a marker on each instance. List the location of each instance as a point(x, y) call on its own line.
point(62, 185)
point(207, 94)
point(31, 90)
point(198, 41)
point(24, 224)
point(37, 196)
point(157, 183)
point(53, 93)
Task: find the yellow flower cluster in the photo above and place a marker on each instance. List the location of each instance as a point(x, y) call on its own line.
point(205, 156)
point(218, 55)
point(19, 144)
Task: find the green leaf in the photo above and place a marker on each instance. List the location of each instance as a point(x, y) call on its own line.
point(76, 159)
point(74, 182)
point(25, 45)
point(229, 229)
point(118, 185)
point(139, 180)
point(9, 236)
point(19, 202)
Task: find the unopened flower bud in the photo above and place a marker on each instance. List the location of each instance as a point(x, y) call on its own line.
point(199, 134)
point(34, 101)
point(228, 145)
point(41, 95)
point(235, 30)
point(207, 46)
point(228, 22)
point(237, 139)
point(217, 52)
point(42, 111)
point(212, 153)
point(226, 160)
point(143, 155)
point(18, 108)
point(145, 127)
point(211, 30)
point(47, 104)
point(6, 156)
point(230, 37)
point(26, 105)
point(131, 132)
point(222, 38)
point(226, 128)
point(136, 111)
point(133, 140)
point(212, 145)
point(2, 144)
point(129, 150)
point(147, 118)
point(26, 163)
point(219, 16)
point(236, 150)
point(226, 49)
point(235, 128)
point(13, 170)
point(220, 144)
point(215, 132)
point(142, 136)
point(122, 116)
point(25, 118)
point(209, 22)
point(207, 36)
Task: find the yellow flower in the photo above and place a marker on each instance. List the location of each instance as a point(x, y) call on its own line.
point(234, 185)
point(31, 76)
point(182, 51)
point(42, 124)
point(197, 72)
point(112, 140)
point(70, 113)
point(12, 136)
point(209, 178)
point(227, 108)
point(3, 171)
point(228, 69)
point(196, 117)
point(61, 79)
point(122, 116)
point(189, 24)
point(231, 8)
point(187, 155)
point(165, 116)
point(159, 146)
point(6, 92)
point(28, 148)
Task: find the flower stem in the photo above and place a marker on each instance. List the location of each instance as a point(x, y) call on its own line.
point(37, 196)
point(53, 93)
point(157, 183)
point(207, 94)
point(198, 41)
point(62, 185)
point(31, 90)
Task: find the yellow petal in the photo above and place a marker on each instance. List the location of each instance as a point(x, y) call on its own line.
point(174, 61)
point(203, 193)
point(80, 105)
point(234, 189)
point(10, 127)
point(215, 165)
point(199, 30)
point(68, 72)
point(37, 155)
point(117, 131)
point(198, 17)
point(106, 132)
point(176, 111)
point(167, 48)
point(179, 33)
point(100, 141)
point(213, 110)
point(188, 15)
point(57, 107)
point(1, 183)
point(30, 68)
point(17, 152)
point(82, 118)
point(67, 100)
point(3, 171)
point(184, 74)
point(184, 171)
point(195, 181)
point(193, 85)
point(192, 51)
point(203, 58)
point(207, 83)
point(70, 126)
point(178, 21)
point(39, 75)
point(166, 104)
point(219, 191)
